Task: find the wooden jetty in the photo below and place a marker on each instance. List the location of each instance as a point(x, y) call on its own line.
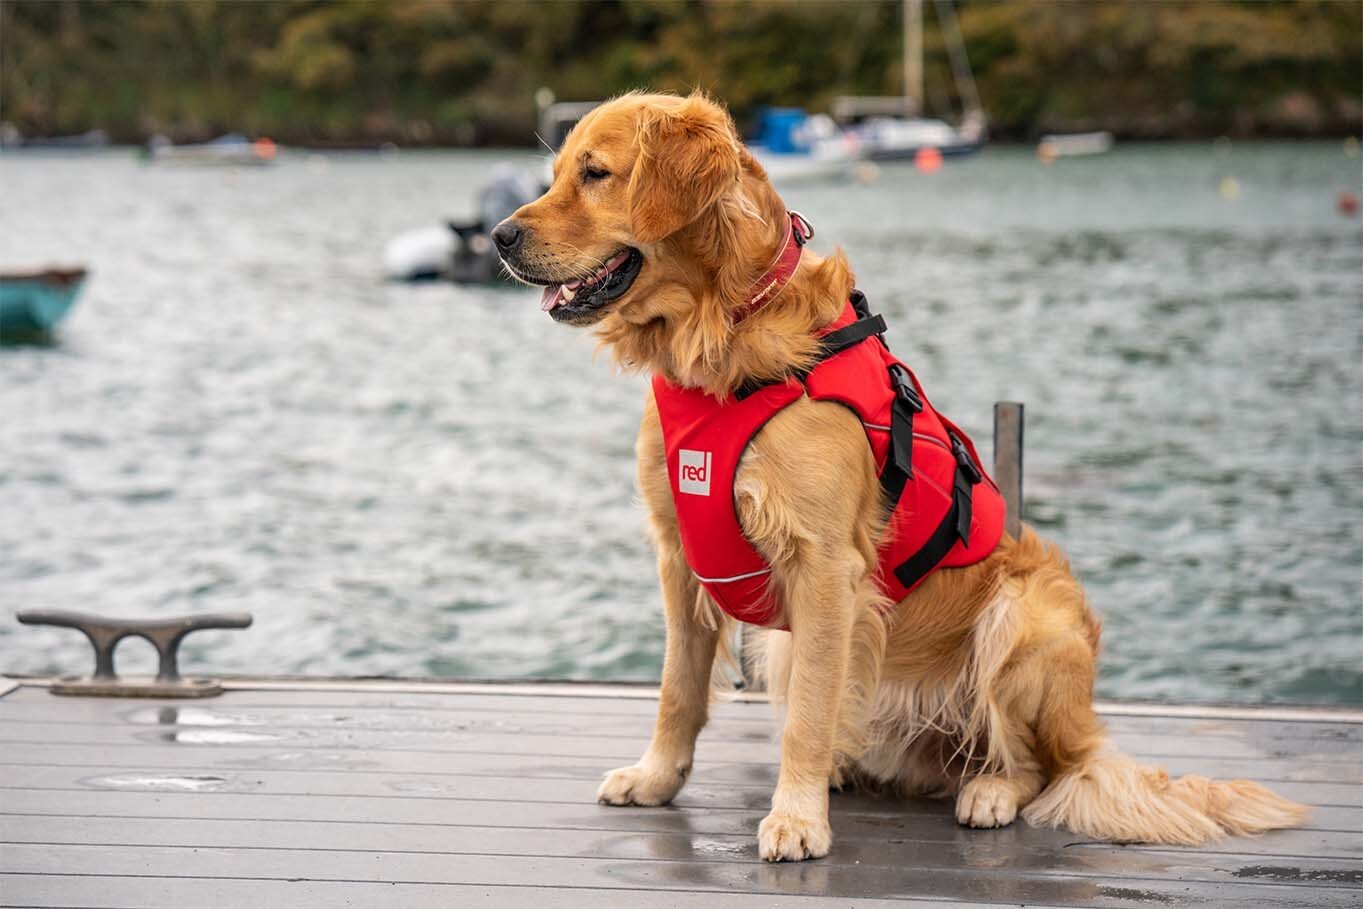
point(356, 793)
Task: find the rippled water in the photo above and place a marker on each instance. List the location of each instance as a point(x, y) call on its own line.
point(437, 480)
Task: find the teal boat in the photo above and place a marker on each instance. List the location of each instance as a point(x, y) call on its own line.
point(32, 303)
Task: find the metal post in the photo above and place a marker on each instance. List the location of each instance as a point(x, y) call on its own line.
point(1008, 461)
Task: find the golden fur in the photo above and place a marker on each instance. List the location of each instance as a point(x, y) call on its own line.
point(979, 683)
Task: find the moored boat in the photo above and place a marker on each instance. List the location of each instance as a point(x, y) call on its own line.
point(34, 302)
point(894, 128)
point(11, 138)
point(797, 147)
point(233, 150)
point(902, 138)
point(461, 251)
point(1073, 145)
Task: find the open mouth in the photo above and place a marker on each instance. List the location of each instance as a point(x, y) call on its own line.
point(573, 301)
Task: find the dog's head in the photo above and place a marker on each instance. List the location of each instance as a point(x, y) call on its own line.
point(631, 176)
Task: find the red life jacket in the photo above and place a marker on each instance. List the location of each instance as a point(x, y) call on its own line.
point(947, 512)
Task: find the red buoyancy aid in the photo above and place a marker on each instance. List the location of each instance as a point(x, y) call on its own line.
point(947, 512)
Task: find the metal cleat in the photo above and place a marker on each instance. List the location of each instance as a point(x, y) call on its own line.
point(164, 634)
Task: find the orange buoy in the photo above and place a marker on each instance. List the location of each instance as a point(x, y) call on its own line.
point(928, 160)
point(1347, 203)
point(264, 147)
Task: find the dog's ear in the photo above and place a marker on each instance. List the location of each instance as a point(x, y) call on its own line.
point(688, 158)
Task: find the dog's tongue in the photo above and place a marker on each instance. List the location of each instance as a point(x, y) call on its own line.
point(553, 295)
point(557, 295)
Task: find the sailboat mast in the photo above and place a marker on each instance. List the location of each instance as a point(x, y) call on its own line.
point(913, 56)
point(960, 63)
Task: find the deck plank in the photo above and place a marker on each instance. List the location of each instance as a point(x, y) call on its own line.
point(1054, 854)
point(932, 823)
point(641, 702)
point(732, 724)
point(122, 892)
point(1304, 766)
point(438, 773)
point(698, 794)
point(1026, 885)
point(478, 797)
point(241, 759)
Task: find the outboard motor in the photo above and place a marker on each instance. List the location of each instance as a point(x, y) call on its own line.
point(475, 260)
point(461, 251)
point(507, 191)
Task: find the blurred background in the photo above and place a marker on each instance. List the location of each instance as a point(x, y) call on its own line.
point(460, 73)
point(254, 353)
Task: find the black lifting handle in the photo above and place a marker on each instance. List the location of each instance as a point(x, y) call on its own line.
point(164, 634)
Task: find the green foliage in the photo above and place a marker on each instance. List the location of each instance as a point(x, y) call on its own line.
point(461, 72)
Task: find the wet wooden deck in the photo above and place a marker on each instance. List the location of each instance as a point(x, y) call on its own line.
point(375, 794)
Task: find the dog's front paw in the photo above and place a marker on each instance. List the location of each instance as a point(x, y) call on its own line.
point(639, 785)
point(987, 801)
point(788, 838)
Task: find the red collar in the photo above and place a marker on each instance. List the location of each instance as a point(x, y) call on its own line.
point(765, 289)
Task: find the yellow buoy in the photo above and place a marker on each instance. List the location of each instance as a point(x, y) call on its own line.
point(867, 172)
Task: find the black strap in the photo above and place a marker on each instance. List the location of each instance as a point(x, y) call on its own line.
point(899, 460)
point(749, 388)
point(835, 342)
point(955, 524)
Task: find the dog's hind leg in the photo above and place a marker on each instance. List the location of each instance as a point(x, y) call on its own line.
point(994, 798)
point(1003, 682)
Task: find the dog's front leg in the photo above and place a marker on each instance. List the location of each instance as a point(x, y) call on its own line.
point(820, 604)
point(683, 705)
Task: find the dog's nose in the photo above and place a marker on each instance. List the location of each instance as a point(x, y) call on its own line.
point(507, 235)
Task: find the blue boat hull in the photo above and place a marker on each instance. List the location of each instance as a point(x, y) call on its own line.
point(35, 305)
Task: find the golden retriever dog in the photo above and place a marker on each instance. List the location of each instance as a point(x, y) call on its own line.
point(979, 684)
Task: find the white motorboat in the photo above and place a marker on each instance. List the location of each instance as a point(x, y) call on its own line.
point(1073, 145)
point(231, 150)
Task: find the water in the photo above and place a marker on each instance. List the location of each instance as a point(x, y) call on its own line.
point(438, 480)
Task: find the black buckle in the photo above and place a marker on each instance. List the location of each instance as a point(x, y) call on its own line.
point(859, 304)
point(964, 462)
point(903, 386)
point(801, 228)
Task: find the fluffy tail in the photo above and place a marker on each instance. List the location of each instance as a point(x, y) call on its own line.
point(1110, 796)
point(1093, 790)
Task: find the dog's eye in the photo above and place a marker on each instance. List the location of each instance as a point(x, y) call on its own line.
point(591, 173)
